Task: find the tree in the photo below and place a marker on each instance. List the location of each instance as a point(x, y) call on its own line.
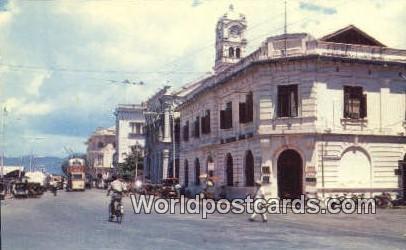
point(127, 169)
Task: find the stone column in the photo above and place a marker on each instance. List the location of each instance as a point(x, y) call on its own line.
point(167, 125)
point(165, 163)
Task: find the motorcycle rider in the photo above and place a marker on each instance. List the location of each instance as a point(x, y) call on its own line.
point(117, 187)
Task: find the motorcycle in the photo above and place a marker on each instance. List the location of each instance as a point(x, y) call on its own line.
point(116, 209)
point(383, 200)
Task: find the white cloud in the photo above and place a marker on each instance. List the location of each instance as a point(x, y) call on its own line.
point(37, 81)
point(24, 107)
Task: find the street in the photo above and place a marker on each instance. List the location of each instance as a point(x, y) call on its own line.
point(79, 221)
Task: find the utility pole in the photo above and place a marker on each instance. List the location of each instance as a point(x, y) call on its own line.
point(285, 30)
point(3, 144)
point(3, 140)
point(173, 142)
point(31, 160)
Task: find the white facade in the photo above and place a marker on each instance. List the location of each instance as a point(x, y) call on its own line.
point(101, 147)
point(129, 129)
point(328, 117)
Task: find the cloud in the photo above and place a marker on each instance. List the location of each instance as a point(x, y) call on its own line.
point(317, 8)
point(24, 107)
point(34, 86)
point(196, 3)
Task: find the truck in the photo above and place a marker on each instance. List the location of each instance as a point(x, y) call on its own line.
point(76, 175)
point(35, 183)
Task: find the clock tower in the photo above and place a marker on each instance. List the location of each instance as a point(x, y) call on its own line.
point(230, 39)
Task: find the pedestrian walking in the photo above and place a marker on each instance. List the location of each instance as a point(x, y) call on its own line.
point(259, 194)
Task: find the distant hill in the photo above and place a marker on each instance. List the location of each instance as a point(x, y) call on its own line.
point(50, 163)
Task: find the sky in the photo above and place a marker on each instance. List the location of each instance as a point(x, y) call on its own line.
point(62, 63)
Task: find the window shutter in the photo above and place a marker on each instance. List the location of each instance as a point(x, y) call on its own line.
point(346, 104)
point(203, 124)
point(249, 108)
point(250, 112)
point(293, 104)
point(222, 119)
point(185, 133)
point(208, 121)
point(363, 108)
point(279, 104)
point(242, 112)
point(197, 127)
point(230, 118)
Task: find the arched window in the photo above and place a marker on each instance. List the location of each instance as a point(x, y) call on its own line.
point(231, 52)
point(186, 173)
point(238, 52)
point(229, 170)
point(249, 169)
point(100, 144)
point(197, 172)
point(355, 169)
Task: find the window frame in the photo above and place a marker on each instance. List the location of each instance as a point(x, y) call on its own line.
point(285, 109)
point(354, 96)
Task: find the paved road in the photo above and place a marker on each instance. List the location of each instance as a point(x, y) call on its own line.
point(79, 221)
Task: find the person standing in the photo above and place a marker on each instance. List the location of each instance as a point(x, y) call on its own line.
point(259, 194)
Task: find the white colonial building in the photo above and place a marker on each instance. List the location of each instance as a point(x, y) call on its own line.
point(307, 116)
point(129, 129)
point(162, 133)
point(101, 147)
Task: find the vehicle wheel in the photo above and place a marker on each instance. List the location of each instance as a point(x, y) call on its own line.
point(110, 215)
point(379, 203)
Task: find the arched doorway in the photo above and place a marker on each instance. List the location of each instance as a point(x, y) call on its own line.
point(197, 172)
point(290, 174)
point(229, 170)
point(186, 173)
point(249, 169)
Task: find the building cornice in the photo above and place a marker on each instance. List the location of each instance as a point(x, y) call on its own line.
point(231, 72)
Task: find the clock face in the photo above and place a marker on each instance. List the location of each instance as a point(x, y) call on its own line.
point(235, 30)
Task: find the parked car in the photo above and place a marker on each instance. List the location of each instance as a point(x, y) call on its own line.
point(168, 189)
point(19, 189)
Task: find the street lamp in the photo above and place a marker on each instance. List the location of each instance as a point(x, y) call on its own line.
point(3, 139)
